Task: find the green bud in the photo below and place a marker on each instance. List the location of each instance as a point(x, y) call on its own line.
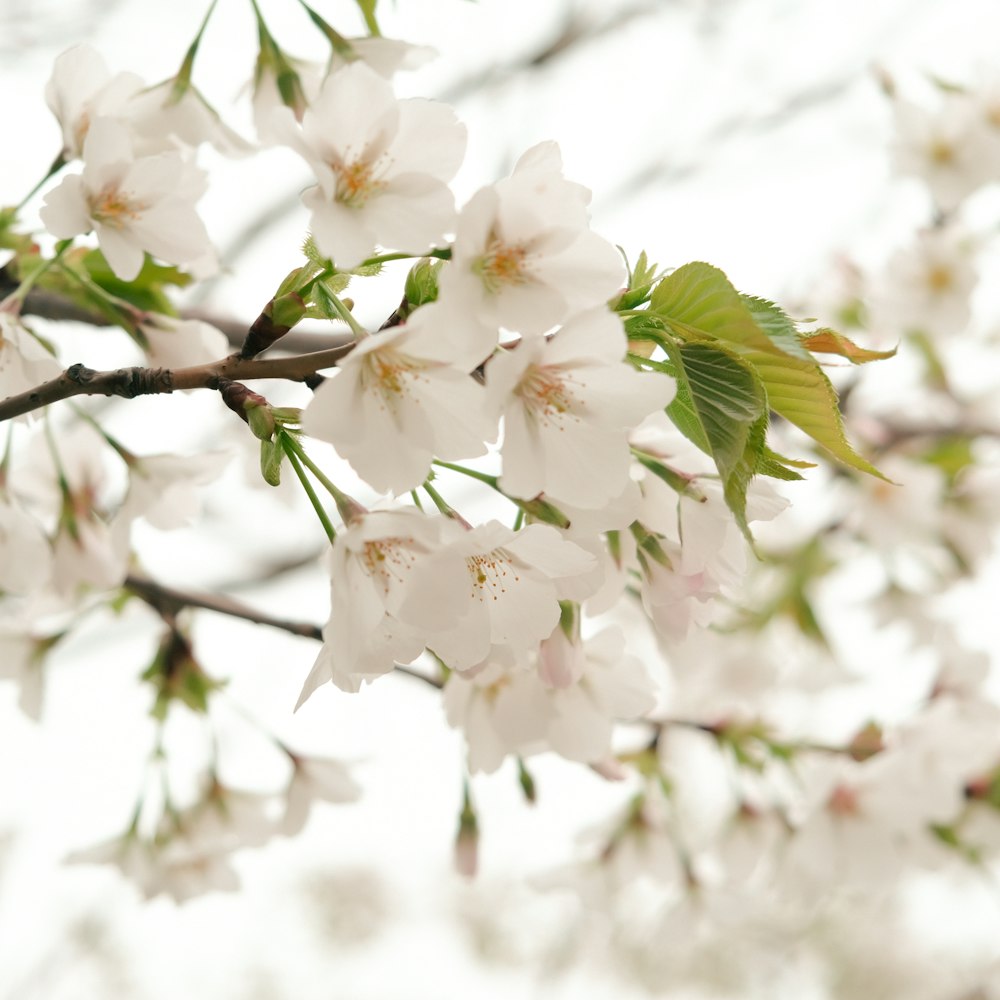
point(542, 510)
point(422, 282)
point(271, 456)
point(261, 419)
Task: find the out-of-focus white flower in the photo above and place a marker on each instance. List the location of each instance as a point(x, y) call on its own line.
point(500, 709)
point(387, 56)
point(163, 489)
point(524, 256)
point(160, 121)
point(315, 778)
point(173, 343)
point(81, 90)
point(393, 583)
point(382, 164)
point(24, 362)
point(611, 686)
point(949, 148)
point(568, 404)
point(513, 584)
point(25, 556)
point(926, 287)
point(397, 401)
point(21, 660)
point(134, 205)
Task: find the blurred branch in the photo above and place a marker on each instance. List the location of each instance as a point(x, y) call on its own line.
point(171, 600)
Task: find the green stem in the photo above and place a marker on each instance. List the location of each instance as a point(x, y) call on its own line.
point(483, 477)
point(289, 449)
point(385, 258)
point(345, 314)
point(439, 501)
point(289, 442)
point(21, 292)
point(368, 11)
point(519, 519)
point(57, 164)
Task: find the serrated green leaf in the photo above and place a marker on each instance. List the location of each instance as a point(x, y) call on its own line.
point(775, 322)
point(721, 406)
point(698, 303)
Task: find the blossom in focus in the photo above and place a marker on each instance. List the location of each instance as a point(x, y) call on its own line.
point(134, 205)
point(568, 404)
point(382, 166)
point(524, 256)
point(513, 582)
point(392, 583)
point(81, 90)
point(397, 401)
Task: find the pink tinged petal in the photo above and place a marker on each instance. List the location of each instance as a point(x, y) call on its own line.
point(66, 212)
point(123, 256)
point(528, 308)
point(467, 642)
point(457, 410)
point(439, 593)
point(586, 465)
point(342, 233)
point(447, 335)
point(430, 139)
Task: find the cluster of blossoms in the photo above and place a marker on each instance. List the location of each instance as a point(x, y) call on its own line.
point(617, 418)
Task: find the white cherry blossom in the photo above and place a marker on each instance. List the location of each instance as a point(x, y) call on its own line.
point(392, 584)
point(313, 779)
point(25, 555)
point(382, 166)
point(174, 343)
point(397, 401)
point(501, 710)
point(24, 362)
point(513, 584)
point(524, 256)
point(609, 686)
point(82, 89)
point(134, 205)
point(568, 404)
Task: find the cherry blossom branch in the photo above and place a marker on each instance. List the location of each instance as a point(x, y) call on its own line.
point(78, 380)
point(164, 598)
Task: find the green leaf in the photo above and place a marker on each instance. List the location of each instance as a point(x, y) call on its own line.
point(147, 291)
point(774, 321)
point(698, 303)
point(721, 406)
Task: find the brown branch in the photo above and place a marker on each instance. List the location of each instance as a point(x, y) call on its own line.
point(78, 380)
point(169, 600)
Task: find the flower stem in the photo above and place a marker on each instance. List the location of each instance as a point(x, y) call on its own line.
point(57, 164)
point(483, 477)
point(288, 446)
point(384, 258)
point(439, 501)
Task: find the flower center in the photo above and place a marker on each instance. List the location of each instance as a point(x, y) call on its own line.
point(939, 279)
point(356, 182)
point(843, 801)
point(112, 207)
point(490, 573)
point(390, 374)
point(545, 392)
point(388, 560)
point(502, 265)
point(941, 152)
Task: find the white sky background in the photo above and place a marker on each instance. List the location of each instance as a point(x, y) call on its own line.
point(749, 133)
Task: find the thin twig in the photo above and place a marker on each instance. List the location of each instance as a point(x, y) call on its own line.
point(78, 380)
point(171, 600)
